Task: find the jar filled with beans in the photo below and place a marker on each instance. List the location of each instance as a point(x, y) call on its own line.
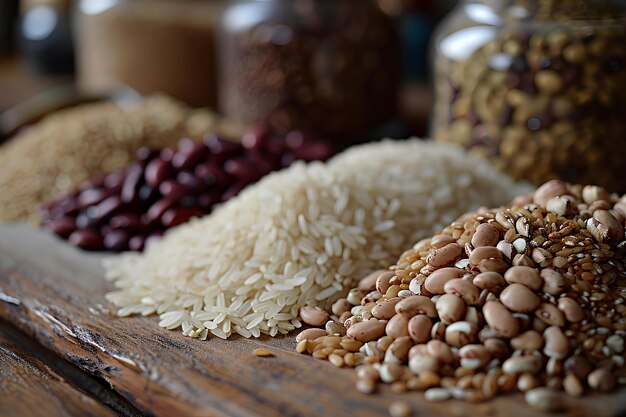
point(539, 86)
point(324, 66)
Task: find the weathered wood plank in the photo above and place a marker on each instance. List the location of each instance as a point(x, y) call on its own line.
point(29, 387)
point(55, 293)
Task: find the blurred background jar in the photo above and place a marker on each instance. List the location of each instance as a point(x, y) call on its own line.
point(45, 36)
point(539, 86)
point(323, 66)
point(150, 45)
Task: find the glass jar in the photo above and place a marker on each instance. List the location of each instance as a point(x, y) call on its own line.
point(538, 86)
point(324, 66)
point(150, 45)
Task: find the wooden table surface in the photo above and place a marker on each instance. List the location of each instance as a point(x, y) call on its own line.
point(54, 294)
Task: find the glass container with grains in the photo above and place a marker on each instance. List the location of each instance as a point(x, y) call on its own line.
point(539, 86)
point(324, 66)
point(150, 45)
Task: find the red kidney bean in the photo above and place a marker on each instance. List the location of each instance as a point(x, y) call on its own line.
point(116, 240)
point(132, 182)
point(145, 153)
point(175, 216)
point(108, 207)
point(158, 171)
point(172, 189)
point(127, 221)
point(213, 175)
point(188, 160)
point(62, 226)
point(163, 188)
point(91, 196)
point(115, 179)
point(86, 221)
point(167, 154)
point(190, 181)
point(255, 137)
point(242, 169)
point(136, 243)
point(86, 239)
point(157, 209)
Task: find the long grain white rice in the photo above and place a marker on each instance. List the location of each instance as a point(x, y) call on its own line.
point(302, 236)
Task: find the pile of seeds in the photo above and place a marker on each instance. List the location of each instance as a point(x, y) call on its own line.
point(529, 298)
point(71, 146)
point(301, 236)
point(164, 188)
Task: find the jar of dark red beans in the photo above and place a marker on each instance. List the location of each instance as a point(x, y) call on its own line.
point(325, 66)
point(537, 85)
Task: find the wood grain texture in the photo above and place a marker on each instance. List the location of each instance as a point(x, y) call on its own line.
point(29, 387)
point(55, 293)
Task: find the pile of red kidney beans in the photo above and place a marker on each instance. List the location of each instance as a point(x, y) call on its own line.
point(164, 188)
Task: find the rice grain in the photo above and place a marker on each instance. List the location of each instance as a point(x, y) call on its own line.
point(302, 236)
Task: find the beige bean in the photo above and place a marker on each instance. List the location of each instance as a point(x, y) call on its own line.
point(485, 235)
point(602, 380)
point(420, 327)
point(492, 281)
point(385, 308)
point(341, 306)
point(573, 386)
point(437, 279)
point(310, 334)
point(506, 249)
point(437, 394)
point(518, 298)
point(390, 372)
point(440, 350)
point(335, 328)
point(556, 343)
point(367, 372)
point(439, 241)
point(473, 356)
point(367, 331)
point(439, 331)
point(450, 308)
point(423, 363)
point(461, 333)
point(500, 319)
point(550, 315)
point(571, 309)
point(382, 281)
point(416, 304)
point(368, 283)
point(553, 282)
point(484, 252)
point(398, 351)
point(553, 188)
point(593, 193)
point(529, 340)
point(445, 256)
point(522, 364)
point(524, 275)
point(604, 227)
point(522, 260)
point(497, 348)
point(544, 399)
point(526, 382)
point(464, 289)
point(398, 326)
point(492, 265)
point(313, 316)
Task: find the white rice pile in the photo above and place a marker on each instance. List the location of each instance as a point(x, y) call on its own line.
point(302, 236)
